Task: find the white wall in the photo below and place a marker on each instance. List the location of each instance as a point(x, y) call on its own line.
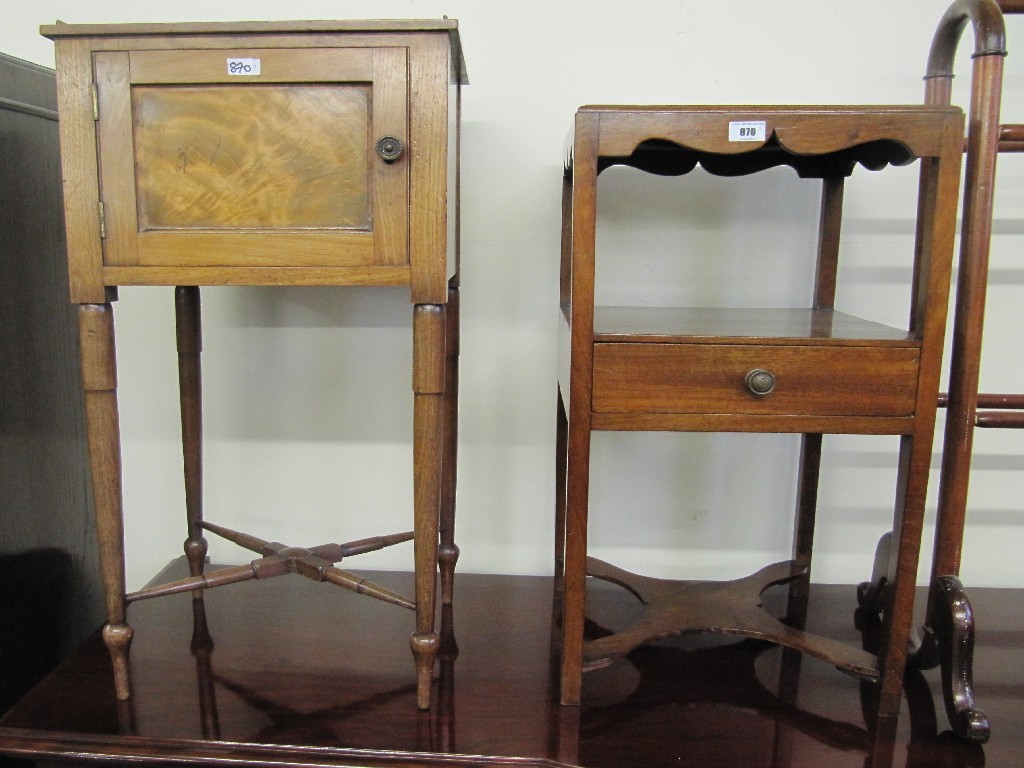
point(307, 393)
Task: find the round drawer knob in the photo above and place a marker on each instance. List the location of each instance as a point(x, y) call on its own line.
point(760, 382)
point(390, 148)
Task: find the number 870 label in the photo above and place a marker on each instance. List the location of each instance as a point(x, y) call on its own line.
point(748, 130)
point(244, 67)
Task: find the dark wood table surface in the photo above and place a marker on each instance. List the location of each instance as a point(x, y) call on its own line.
point(294, 672)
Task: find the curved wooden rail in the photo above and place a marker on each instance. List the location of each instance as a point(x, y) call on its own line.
point(982, 148)
point(985, 139)
point(985, 16)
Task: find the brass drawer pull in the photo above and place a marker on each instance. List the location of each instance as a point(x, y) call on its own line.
point(760, 382)
point(390, 148)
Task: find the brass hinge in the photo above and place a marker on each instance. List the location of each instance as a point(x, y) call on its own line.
point(95, 103)
point(103, 221)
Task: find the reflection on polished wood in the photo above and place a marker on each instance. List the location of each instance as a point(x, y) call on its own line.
point(284, 672)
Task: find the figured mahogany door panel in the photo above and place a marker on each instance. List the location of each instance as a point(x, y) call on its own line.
point(225, 157)
point(816, 380)
point(253, 157)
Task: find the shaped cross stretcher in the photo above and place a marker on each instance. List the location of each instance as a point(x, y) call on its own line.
point(317, 563)
point(672, 607)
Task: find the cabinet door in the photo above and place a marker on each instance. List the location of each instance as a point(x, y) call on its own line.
point(252, 157)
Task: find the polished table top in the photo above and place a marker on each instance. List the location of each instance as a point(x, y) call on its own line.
point(293, 671)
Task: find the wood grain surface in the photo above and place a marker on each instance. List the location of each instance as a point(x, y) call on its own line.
point(227, 156)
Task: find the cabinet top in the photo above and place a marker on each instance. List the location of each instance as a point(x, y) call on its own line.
point(450, 27)
point(60, 29)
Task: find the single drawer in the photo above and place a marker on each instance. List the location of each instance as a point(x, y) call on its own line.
point(811, 380)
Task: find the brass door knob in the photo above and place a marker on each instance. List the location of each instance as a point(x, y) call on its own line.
point(390, 148)
point(760, 382)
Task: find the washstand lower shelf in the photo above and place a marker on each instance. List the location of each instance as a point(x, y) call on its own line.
point(723, 607)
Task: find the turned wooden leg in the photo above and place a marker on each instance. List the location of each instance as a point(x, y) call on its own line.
point(99, 382)
point(428, 434)
point(448, 554)
point(189, 337)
